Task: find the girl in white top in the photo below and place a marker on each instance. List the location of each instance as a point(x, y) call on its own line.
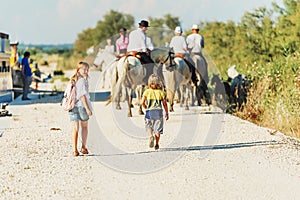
point(79, 115)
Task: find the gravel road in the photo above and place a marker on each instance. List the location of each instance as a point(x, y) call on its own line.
point(204, 154)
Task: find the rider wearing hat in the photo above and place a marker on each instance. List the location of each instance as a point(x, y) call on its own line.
point(179, 45)
point(195, 43)
point(138, 46)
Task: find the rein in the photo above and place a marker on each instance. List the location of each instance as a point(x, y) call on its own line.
point(168, 57)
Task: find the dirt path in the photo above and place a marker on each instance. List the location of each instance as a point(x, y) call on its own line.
point(204, 155)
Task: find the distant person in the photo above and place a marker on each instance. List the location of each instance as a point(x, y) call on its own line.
point(138, 45)
point(195, 43)
point(122, 43)
point(180, 48)
point(109, 47)
point(26, 74)
point(153, 100)
point(36, 74)
point(79, 115)
point(14, 53)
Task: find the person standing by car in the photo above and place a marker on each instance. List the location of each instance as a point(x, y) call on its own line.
point(27, 75)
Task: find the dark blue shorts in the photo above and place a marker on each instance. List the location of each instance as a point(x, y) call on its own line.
point(78, 114)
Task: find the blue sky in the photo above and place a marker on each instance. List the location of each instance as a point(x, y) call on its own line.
point(59, 21)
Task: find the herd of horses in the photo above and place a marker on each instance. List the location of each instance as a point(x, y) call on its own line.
point(126, 77)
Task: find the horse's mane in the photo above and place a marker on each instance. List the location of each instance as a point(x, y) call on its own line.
point(159, 53)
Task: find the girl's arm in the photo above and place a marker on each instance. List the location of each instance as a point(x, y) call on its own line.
point(84, 101)
point(144, 102)
point(164, 101)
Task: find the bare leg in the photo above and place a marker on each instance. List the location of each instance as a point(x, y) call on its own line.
point(151, 140)
point(84, 133)
point(150, 131)
point(75, 136)
point(157, 137)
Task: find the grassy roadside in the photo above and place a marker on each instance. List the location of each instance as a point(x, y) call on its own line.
point(274, 98)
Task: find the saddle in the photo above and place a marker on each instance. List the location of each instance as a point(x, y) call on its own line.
point(181, 55)
point(133, 53)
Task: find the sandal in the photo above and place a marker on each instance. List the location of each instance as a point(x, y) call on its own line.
point(151, 141)
point(156, 147)
point(75, 153)
point(84, 150)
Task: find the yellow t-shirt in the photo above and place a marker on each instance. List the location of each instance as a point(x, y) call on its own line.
point(154, 98)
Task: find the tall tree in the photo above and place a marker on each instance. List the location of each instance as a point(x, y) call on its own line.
point(108, 28)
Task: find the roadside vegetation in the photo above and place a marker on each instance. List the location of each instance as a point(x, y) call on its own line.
point(264, 45)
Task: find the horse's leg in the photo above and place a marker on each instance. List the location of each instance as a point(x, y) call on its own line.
point(187, 89)
point(103, 79)
point(181, 88)
point(138, 95)
point(141, 89)
point(198, 94)
point(192, 94)
point(118, 107)
point(170, 96)
point(129, 101)
point(178, 96)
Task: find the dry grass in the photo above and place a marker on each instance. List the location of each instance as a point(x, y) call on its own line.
point(274, 100)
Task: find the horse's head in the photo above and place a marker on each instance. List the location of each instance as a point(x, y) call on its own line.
point(162, 54)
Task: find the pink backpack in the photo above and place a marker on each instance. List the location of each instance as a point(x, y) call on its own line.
point(69, 99)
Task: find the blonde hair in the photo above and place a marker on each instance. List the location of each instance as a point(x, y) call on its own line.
point(79, 66)
point(154, 80)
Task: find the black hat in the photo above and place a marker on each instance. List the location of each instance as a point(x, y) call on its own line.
point(144, 23)
point(123, 29)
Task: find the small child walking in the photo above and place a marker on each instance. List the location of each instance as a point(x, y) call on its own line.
point(79, 115)
point(153, 99)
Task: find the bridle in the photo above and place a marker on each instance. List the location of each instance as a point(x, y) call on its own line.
point(170, 56)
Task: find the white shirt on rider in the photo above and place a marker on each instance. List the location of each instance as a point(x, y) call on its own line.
point(194, 41)
point(137, 41)
point(179, 45)
point(149, 43)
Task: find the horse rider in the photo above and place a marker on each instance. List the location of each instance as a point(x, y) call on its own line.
point(122, 43)
point(138, 47)
point(109, 47)
point(195, 43)
point(179, 45)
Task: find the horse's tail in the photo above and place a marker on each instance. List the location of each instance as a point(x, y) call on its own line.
point(114, 79)
point(120, 78)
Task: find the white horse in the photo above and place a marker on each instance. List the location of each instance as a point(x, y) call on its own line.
point(107, 62)
point(128, 75)
point(175, 77)
point(201, 91)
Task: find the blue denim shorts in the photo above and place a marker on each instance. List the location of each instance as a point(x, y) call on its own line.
point(78, 114)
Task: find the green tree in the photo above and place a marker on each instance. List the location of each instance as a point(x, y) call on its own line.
point(108, 28)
